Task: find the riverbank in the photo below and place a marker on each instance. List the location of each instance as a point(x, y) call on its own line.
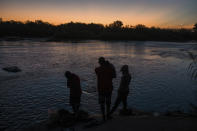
point(131, 119)
point(134, 123)
point(147, 124)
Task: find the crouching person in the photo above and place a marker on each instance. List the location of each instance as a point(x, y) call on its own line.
point(73, 82)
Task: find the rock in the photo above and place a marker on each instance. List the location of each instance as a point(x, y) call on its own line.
point(63, 118)
point(66, 119)
point(82, 116)
point(176, 114)
point(156, 114)
point(137, 112)
point(53, 119)
point(126, 112)
point(60, 118)
point(12, 69)
point(91, 124)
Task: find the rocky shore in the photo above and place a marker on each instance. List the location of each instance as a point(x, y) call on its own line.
point(134, 120)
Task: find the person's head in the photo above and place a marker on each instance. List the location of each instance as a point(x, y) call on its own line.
point(101, 60)
point(67, 74)
point(125, 69)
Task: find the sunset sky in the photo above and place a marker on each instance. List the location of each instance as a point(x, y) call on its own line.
point(162, 13)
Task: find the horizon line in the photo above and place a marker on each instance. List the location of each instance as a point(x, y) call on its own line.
point(130, 25)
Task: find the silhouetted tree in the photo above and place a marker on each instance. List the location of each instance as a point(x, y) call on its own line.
point(195, 27)
point(140, 27)
point(77, 30)
point(116, 24)
point(195, 32)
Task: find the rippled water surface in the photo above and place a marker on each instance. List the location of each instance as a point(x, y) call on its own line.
point(160, 78)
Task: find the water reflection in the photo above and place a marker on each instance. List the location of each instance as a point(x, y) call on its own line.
point(160, 79)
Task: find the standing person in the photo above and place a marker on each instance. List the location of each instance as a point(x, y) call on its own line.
point(105, 74)
point(123, 90)
point(73, 82)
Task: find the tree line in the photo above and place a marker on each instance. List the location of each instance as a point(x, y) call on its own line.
point(77, 30)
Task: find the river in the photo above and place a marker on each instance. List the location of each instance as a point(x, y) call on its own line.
point(160, 81)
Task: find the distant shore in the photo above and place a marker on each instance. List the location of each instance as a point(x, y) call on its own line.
point(46, 39)
point(92, 31)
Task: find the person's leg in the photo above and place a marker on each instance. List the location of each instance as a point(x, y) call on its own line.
point(117, 102)
point(108, 108)
point(78, 101)
point(124, 100)
point(108, 103)
point(72, 103)
point(77, 105)
point(74, 108)
point(102, 105)
point(77, 110)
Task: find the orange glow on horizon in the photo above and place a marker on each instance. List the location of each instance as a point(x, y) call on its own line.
point(106, 16)
point(104, 22)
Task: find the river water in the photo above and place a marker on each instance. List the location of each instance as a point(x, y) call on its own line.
point(160, 81)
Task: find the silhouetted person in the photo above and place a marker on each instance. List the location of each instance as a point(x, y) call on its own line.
point(105, 73)
point(73, 82)
point(111, 66)
point(123, 90)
